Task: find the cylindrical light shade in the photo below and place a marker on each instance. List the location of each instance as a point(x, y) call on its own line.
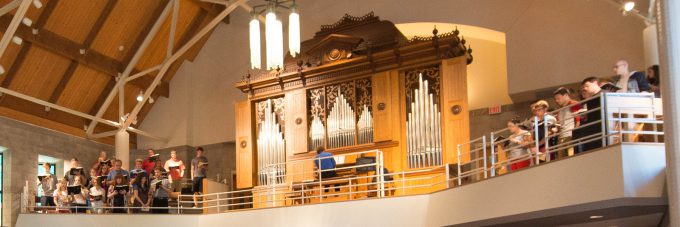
point(255, 58)
point(274, 39)
point(294, 32)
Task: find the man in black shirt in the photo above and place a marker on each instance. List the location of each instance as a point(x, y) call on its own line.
point(591, 87)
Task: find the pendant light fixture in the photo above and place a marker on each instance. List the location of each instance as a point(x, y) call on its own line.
point(274, 34)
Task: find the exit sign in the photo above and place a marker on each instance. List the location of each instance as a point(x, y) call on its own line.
point(494, 110)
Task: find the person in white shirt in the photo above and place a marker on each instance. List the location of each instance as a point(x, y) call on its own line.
point(79, 200)
point(61, 197)
point(175, 168)
point(97, 195)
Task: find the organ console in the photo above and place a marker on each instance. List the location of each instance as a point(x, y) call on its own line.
point(357, 85)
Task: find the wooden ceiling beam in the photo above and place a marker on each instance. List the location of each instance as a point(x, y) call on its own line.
point(89, 39)
point(19, 60)
point(64, 47)
point(212, 9)
point(128, 58)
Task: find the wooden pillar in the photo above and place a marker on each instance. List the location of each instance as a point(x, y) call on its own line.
point(454, 106)
point(244, 147)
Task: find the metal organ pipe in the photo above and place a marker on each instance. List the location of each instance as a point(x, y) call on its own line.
point(270, 149)
point(316, 133)
point(341, 123)
point(365, 126)
point(423, 128)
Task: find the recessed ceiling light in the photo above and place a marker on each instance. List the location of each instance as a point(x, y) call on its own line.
point(628, 6)
point(596, 217)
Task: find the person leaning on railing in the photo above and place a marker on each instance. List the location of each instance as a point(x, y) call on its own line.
point(568, 118)
point(160, 188)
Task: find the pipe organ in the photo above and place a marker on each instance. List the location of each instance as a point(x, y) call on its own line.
point(271, 152)
point(423, 131)
point(357, 85)
point(341, 123)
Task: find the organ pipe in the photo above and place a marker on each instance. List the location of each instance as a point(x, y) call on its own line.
point(316, 133)
point(341, 123)
point(270, 149)
point(365, 126)
point(423, 128)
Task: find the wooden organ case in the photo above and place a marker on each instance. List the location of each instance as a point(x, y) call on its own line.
point(358, 85)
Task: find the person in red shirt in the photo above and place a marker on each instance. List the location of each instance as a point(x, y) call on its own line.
point(149, 165)
point(175, 168)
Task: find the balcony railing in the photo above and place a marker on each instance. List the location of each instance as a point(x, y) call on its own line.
point(629, 118)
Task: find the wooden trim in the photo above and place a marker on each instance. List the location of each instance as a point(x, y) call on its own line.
point(410, 55)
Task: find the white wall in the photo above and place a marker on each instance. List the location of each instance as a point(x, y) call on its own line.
point(549, 43)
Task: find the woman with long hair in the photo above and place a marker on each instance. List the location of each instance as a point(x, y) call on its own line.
point(118, 193)
point(61, 197)
point(141, 194)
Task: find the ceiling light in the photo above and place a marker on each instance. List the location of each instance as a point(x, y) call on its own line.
point(596, 217)
point(255, 59)
point(27, 21)
point(140, 97)
point(2, 70)
point(294, 31)
point(273, 34)
point(34, 31)
point(17, 40)
point(37, 3)
point(151, 100)
point(274, 39)
point(47, 109)
point(628, 6)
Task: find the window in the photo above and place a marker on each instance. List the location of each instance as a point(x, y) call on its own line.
point(41, 170)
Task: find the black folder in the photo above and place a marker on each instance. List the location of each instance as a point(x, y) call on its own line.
point(74, 171)
point(73, 190)
point(153, 158)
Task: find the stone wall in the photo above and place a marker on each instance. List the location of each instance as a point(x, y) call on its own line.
point(23, 143)
point(221, 159)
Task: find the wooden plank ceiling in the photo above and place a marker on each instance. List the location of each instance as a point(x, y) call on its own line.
point(50, 66)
